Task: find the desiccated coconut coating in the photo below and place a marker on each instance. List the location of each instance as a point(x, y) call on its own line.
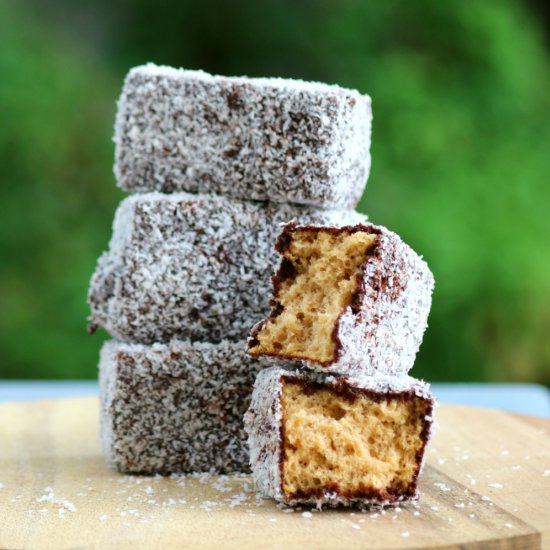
point(248, 138)
point(331, 443)
point(351, 300)
point(191, 266)
point(175, 408)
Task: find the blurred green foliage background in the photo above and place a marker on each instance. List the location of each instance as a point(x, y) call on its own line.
point(461, 155)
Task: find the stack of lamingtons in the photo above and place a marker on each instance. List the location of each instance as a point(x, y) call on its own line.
point(216, 165)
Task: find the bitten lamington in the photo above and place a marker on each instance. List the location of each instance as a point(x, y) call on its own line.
point(248, 138)
point(192, 267)
point(175, 408)
point(323, 440)
point(352, 300)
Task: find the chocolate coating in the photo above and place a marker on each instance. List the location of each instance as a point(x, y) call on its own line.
point(248, 138)
point(191, 267)
point(175, 408)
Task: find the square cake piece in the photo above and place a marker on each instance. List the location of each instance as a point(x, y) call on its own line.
point(248, 138)
point(175, 408)
point(351, 300)
point(318, 439)
point(197, 267)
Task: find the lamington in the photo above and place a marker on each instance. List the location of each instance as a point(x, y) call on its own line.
point(270, 139)
point(351, 300)
point(191, 267)
point(324, 440)
point(175, 408)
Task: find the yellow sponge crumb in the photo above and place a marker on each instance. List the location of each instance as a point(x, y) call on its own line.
point(359, 445)
point(326, 275)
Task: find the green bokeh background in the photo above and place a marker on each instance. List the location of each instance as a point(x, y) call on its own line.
point(461, 155)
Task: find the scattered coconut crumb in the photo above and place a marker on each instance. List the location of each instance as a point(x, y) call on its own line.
point(227, 491)
point(49, 496)
point(546, 473)
point(221, 486)
point(237, 500)
point(496, 485)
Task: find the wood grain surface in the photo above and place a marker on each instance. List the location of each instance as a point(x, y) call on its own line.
point(486, 485)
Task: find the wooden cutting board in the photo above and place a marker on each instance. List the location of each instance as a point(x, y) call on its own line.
point(486, 485)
